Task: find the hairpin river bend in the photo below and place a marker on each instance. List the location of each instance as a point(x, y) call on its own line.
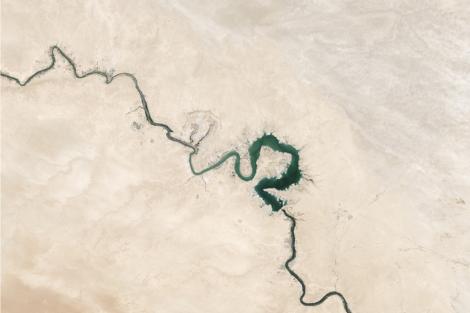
point(291, 176)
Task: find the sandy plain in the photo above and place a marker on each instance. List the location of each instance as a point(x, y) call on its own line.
point(100, 212)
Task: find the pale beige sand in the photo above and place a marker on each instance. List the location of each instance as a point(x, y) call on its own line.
point(100, 213)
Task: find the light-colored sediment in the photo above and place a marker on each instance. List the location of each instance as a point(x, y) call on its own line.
point(100, 212)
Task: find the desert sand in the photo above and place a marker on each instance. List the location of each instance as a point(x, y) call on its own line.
point(101, 213)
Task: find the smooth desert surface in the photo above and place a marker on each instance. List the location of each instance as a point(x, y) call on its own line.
point(101, 213)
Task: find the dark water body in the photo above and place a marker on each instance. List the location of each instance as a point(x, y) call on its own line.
point(289, 177)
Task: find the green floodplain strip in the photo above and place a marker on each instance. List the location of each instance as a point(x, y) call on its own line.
point(289, 177)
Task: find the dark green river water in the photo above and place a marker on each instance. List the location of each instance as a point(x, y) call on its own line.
point(289, 177)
